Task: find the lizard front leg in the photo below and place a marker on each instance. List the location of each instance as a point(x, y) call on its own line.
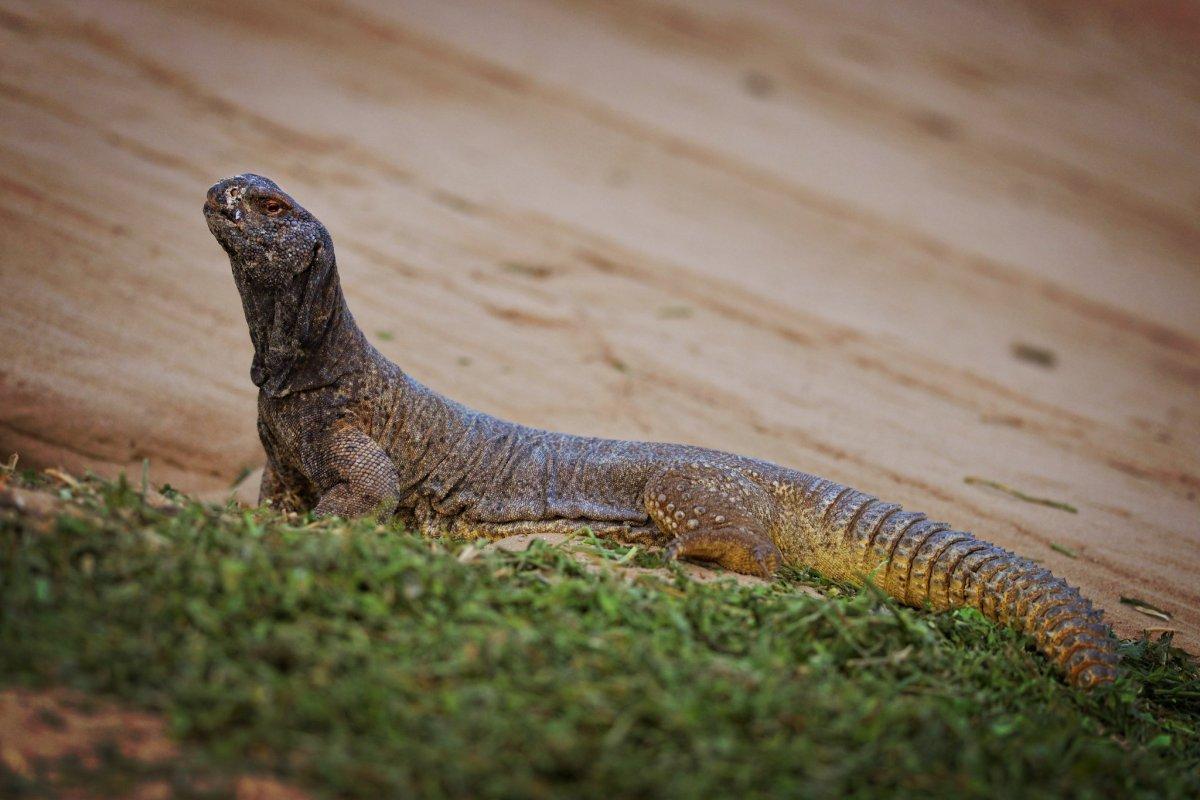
point(353, 473)
point(714, 515)
point(283, 486)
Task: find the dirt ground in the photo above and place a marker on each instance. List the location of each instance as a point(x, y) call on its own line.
point(69, 745)
point(899, 245)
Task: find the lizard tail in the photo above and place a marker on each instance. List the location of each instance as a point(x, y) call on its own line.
point(847, 535)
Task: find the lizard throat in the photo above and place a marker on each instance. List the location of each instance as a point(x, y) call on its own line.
point(303, 334)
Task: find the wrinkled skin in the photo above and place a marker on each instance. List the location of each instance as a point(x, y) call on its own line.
point(348, 433)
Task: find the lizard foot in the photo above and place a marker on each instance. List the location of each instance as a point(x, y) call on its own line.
point(735, 549)
point(348, 501)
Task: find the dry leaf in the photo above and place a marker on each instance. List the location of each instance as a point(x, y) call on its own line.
point(1143, 607)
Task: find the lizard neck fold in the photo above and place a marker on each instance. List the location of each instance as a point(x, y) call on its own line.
point(303, 333)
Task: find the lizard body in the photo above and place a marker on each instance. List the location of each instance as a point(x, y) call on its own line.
point(348, 433)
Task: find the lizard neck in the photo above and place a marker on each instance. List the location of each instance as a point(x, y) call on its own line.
point(303, 333)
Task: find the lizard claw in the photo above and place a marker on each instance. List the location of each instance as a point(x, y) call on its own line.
point(768, 557)
point(671, 552)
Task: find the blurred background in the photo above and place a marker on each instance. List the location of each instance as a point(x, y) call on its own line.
point(922, 248)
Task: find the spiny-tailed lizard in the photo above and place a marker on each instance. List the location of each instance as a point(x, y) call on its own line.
point(348, 433)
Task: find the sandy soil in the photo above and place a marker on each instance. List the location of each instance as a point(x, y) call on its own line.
point(895, 244)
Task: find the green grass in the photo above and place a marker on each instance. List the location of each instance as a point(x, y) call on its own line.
point(361, 660)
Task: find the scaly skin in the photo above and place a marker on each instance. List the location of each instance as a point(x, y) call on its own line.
point(348, 433)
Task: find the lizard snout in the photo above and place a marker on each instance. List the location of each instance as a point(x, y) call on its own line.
point(225, 198)
point(211, 202)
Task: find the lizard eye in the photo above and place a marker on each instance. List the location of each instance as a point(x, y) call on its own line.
point(272, 206)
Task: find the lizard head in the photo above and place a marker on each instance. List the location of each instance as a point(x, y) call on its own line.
point(286, 272)
point(268, 236)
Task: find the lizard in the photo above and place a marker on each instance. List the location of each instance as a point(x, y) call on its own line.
point(348, 433)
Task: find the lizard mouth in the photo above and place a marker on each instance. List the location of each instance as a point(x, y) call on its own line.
point(223, 229)
point(225, 213)
point(218, 218)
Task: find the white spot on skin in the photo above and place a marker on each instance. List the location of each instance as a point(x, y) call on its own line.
point(718, 518)
point(233, 196)
point(693, 524)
